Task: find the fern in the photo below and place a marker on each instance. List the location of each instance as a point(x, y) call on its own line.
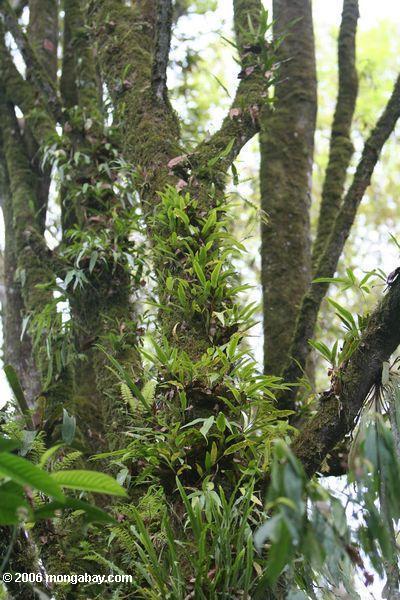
point(67, 461)
point(38, 447)
point(128, 398)
point(99, 559)
point(149, 391)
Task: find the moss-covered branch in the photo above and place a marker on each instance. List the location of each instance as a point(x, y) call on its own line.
point(161, 51)
point(17, 352)
point(79, 82)
point(328, 261)
point(22, 93)
point(287, 148)
point(242, 122)
point(339, 408)
point(42, 34)
point(341, 147)
point(240, 125)
point(125, 46)
point(39, 76)
point(33, 265)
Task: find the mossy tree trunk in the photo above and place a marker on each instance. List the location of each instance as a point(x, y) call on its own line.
point(287, 150)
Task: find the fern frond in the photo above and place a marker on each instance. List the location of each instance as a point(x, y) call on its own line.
point(149, 391)
point(67, 461)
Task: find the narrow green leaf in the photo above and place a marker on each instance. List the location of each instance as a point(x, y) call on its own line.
point(15, 385)
point(208, 423)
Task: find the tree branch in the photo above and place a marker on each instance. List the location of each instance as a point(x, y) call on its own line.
point(149, 133)
point(161, 52)
point(17, 352)
point(243, 119)
point(329, 259)
point(337, 413)
point(79, 82)
point(42, 34)
point(38, 75)
point(22, 93)
point(341, 147)
point(240, 125)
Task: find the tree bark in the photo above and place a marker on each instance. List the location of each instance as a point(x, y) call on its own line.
point(338, 411)
point(341, 147)
point(287, 147)
point(328, 261)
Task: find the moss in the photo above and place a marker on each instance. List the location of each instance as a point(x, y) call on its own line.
point(43, 34)
point(79, 81)
point(22, 93)
point(125, 43)
point(287, 146)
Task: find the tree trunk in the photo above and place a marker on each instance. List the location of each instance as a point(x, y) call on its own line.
point(287, 147)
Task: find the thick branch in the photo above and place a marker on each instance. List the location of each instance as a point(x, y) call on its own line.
point(341, 147)
point(17, 352)
point(38, 75)
point(329, 259)
point(79, 80)
point(243, 12)
point(337, 414)
point(243, 119)
point(149, 132)
point(22, 94)
point(161, 53)
point(43, 36)
point(240, 125)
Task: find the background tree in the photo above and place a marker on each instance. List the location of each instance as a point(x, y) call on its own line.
point(130, 317)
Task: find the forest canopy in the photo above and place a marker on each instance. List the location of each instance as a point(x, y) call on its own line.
point(200, 300)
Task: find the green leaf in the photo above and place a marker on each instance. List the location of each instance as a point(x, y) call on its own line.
point(221, 422)
point(199, 272)
point(93, 514)
point(10, 506)
point(88, 481)
point(7, 445)
point(345, 314)
point(48, 454)
point(210, 222)
point(279, 553)
point(15, 385)
point(215, 274)
point(208, 423)
point(236, 447)
point(120, 371)
point(23, 472)
point(68, 427)
point(93, 259)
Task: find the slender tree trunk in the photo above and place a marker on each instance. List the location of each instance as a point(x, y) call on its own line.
point(287, 147)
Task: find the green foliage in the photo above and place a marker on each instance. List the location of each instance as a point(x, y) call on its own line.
point(216, 558)
point(196, 252)
point(341, 351)
point(18, 475)
point(310, 536)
